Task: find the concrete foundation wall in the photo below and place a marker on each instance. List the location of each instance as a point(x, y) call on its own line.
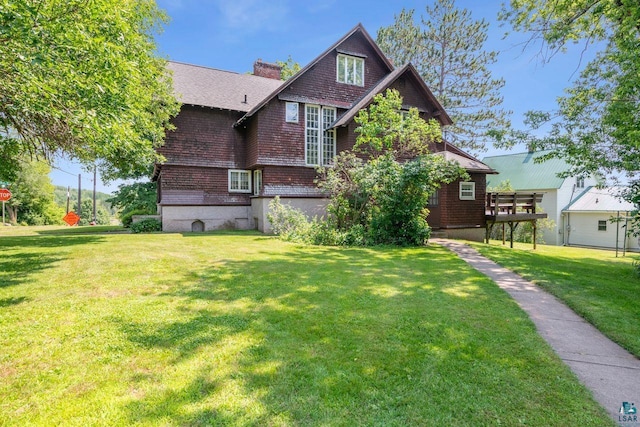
point(312, 207)
point(182, 218)
point(473, 234)
point(195, 218)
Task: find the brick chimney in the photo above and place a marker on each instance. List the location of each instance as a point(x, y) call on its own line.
point(265, 69)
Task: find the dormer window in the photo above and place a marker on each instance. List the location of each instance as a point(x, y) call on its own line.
point(350, 70)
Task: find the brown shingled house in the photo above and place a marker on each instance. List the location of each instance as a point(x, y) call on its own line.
point(241, 139)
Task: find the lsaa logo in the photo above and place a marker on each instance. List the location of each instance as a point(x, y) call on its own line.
point(628, 414)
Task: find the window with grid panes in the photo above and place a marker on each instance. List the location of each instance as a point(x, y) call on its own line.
point(320, 141)
point(239, 181)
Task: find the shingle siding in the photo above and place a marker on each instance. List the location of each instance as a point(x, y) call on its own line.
point(208, 142)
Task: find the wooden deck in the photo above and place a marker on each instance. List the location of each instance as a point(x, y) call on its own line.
point(512, 209)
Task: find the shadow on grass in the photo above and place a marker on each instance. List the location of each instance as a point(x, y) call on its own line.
point(6, 302)
point(24, 256)
point(323, 335)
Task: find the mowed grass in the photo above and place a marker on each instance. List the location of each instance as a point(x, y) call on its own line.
point(598, 286)
point(242, 329)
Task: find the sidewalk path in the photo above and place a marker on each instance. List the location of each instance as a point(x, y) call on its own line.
point(610, 372)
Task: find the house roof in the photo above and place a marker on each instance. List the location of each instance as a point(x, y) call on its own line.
point(524, 173)
point(208, 87)
point(290, 81)
point(469, 163)
point(596, 199)
point(384, 84)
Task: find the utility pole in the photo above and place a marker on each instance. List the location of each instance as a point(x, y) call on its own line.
point(79, 196)
point(94, 196)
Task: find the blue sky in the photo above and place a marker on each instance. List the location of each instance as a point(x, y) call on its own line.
point(232, 34)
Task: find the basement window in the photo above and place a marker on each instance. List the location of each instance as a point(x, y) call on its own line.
point(239, 181)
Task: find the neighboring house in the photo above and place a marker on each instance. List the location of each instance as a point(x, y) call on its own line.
point(588, 220)
point(526, 175)
point(242, 139)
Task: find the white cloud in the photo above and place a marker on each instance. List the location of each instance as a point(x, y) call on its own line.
point(254, 15)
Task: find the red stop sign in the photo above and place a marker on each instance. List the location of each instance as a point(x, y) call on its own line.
point(4, 194)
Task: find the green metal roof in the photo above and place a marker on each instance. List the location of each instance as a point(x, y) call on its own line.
point(524, 173)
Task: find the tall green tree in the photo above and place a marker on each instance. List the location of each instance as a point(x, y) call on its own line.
point(446, 45)
point(375, 188)
point(596, 127)
point(82, 78)
point(32, 201)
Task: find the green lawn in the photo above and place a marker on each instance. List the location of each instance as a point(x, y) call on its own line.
point(242, 329)
point(603, 289)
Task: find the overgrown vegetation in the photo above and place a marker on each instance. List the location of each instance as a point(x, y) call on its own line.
point(159, 329)
point(379, 191)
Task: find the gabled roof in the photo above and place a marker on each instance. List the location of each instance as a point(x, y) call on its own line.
point(208, 87)
point(524, 173)
point(358, 28)
point(383, 85)
point(600, 200)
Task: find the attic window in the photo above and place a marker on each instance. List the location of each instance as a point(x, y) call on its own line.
point(350, 70)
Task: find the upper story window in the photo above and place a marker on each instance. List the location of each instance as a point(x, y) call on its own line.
point(350, 70)
point(467, 191)
point(320, 141)
point(291, 115)
point(579, 182)
point(239, 181)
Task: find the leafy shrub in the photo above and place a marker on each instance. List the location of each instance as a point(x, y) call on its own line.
point(127, 218)
point(147, 225)
point(287, 222)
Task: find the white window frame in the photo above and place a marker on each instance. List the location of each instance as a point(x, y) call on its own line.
point(319, 140)
point(235, 181)
point(579, 182)
point(350, 70)
point(468, 190)
point(292, 112)
point(257, 182)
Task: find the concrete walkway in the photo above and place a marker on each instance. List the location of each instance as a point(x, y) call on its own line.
point(609, 371)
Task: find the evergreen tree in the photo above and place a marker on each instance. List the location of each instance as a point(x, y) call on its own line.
point(447, 48)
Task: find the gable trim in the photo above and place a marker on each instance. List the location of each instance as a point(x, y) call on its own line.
point(354, 30)
point(439, 113)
